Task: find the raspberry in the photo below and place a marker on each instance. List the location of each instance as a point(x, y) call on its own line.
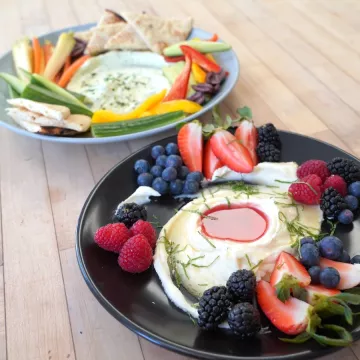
point(145, 228)
point(308, 190)
point(336, 182)
point(136, 255)
point(112, 237)
point(317, 167)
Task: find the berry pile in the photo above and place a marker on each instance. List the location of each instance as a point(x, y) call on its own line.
point(269, 144)
point(133, 239)
point(231, 302)
point(335, 186)
point(168, 174)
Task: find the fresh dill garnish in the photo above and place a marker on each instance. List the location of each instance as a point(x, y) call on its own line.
point(243, 188)
point(199, 213)
point(195, 305)
point(248, 260)
point(207, 240)
point(333, 226)
point(156, 223)
point(192, 320)
point(228, 202)
point(205, 266)
point(203, 196)
point(207, 206)
point(284, 182)
point(257, 265)
point(190, 262)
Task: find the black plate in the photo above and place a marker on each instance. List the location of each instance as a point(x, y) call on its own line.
point(139, 302)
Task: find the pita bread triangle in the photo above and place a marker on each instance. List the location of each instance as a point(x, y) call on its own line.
point(159, 33)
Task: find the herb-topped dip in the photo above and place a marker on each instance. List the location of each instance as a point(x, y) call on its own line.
point(120, 81)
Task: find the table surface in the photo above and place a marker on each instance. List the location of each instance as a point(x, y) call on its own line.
point(300, 70)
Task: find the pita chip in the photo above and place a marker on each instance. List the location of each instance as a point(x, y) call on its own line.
point(159, 33)
point(85, 35)
point(110, 17)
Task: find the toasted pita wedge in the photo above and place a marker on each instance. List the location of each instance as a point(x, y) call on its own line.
point(159, 33)
point(101, 35)
point(84, 35)
point(126, 39)
point(110, 17)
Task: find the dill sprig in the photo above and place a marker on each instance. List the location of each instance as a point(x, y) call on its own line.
point(228, 202)
point(190, 262)
point(251, 265)
point(199, 213)
point(207, 240)
point(156, 223)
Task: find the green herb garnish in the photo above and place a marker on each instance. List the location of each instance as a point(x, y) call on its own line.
point(207, 240)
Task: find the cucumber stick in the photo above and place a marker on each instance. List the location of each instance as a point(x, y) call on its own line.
point(133, 126)
point(17, 84)
point(37, 93)
point(13, 94)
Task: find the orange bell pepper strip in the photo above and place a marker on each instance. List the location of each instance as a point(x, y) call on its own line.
point(200, 59)
point(215, 37)
point(179, 88)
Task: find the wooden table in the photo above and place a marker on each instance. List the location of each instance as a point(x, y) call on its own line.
point(300, 69)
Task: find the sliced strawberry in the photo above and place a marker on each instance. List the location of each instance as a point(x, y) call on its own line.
point(314, 291)
point(248, 135)
point(230, 152)
point(291, 317)
point(349, 274)
point(210, 162)
point(289, 275)
point(190, 142)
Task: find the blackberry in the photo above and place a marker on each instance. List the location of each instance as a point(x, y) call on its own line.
point(241, 285)
point(269, 135)
point(129, 214)
point(332, 203)
point(213, 307)
point(345, 168)
point(267, 152)
point(244, 320)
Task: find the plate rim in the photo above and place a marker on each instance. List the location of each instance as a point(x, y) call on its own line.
point(148, 335)
point(113, 139)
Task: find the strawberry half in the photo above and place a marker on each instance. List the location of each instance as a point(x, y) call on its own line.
point(289, 275)
point(211, 162)
point(349, 274)
point(247, 134)
point(190, 142)
point(296, 317)
point(230, 152)
point(313, 290)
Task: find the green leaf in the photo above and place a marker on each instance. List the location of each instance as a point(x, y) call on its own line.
point(245, 112)
point(228, 122)
point(282, 291)
point(344, 340)
point(300, 339)
point(355, 290)
point(179, 126)
point(347, 311)
point(349, 298)
point(287, 285)
point(216, 115)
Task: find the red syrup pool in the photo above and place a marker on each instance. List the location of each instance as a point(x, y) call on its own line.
point(237, 223)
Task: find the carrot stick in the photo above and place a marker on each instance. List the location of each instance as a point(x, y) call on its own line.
point(38, 56)
point(70, 72)
point(215, 37)
point(67, 63)
point(48, 49)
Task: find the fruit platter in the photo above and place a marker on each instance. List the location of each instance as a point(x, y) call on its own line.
point(229, 241)
point(129, 75)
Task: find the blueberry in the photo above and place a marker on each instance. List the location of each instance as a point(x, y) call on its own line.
point(173, 161)
point(314, 273)
point(354, 189)
point(141, 166)
point(352, 202)
point(191, 187)
point(183, 172)
point(156, 170)
point(160, 185)
point(344, 257)
point(346, 217)
point(161, 160)
point(176, 187)
point(169, 174)
point(307, 240)
point(195, 176)
point(331, 247)
point(329, 277)
point(355, 259)
point(145, 179)
point(156, 151)
point(171, 149)
point(309, 255)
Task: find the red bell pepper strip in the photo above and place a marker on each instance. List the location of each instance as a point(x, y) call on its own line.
point(215, 37)
point(200, 59)
point(180, 87)
point(174, 58)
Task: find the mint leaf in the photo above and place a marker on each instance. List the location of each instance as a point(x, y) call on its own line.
point(245, 112)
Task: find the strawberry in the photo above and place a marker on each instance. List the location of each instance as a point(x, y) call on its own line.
point(247, 134)
point(313, 290)
point(211, 162)
point(289, 275)
point(190, 142)
point(230, 152)
point(349, 274)
point(291, 317)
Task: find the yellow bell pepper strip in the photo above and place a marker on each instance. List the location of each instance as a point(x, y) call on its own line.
point(180, 86)
point(199, 73)
point(147, 113)
point(200, 59)
point(211, 57)
point(102, 116)
point(187, 106)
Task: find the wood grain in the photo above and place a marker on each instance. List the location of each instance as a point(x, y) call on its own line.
point(300, 70)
